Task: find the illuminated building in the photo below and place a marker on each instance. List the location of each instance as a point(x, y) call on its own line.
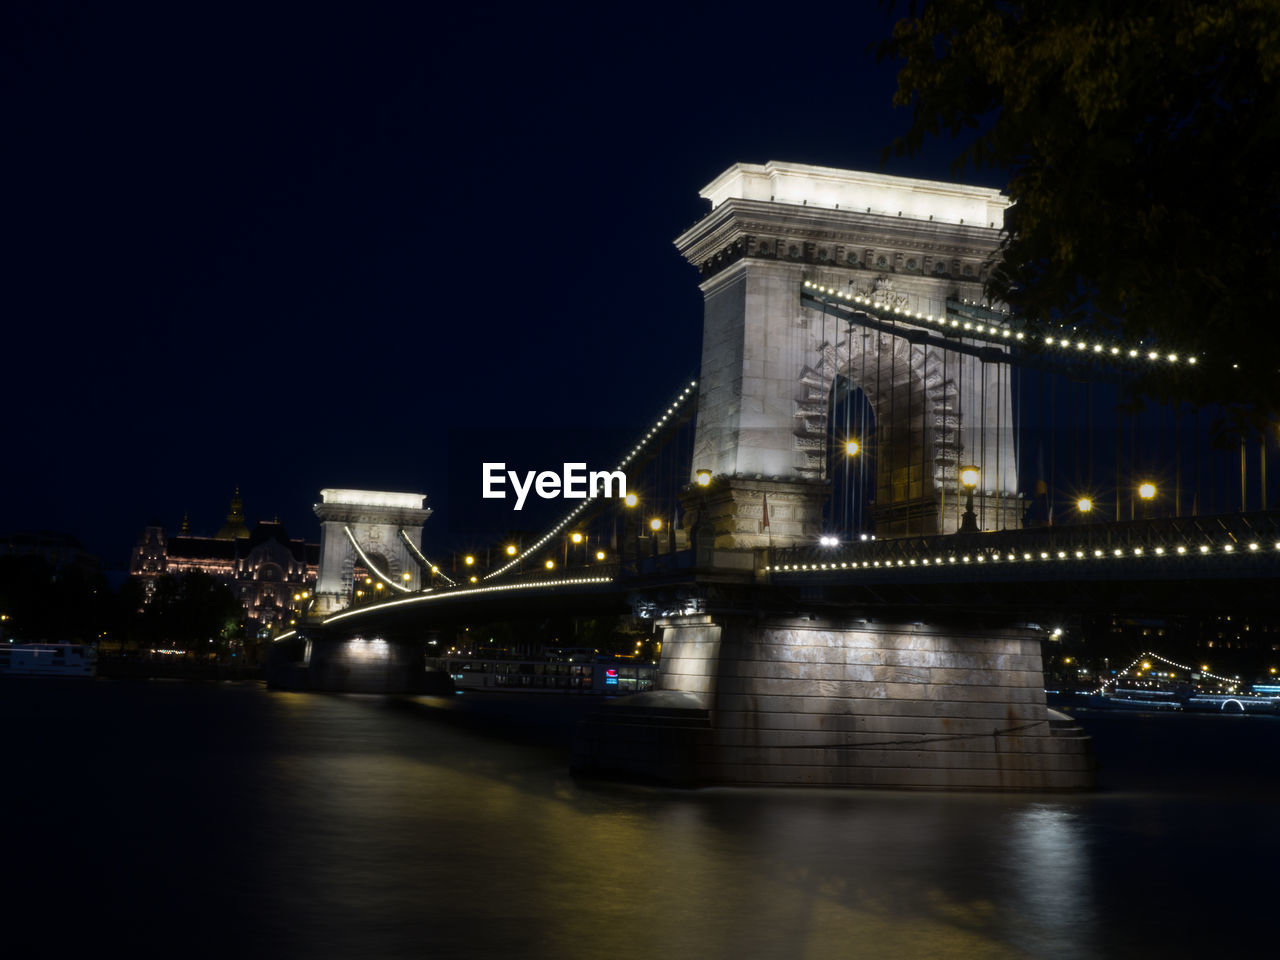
point(264, 567)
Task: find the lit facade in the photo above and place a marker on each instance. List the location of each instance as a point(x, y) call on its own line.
point(264, 567)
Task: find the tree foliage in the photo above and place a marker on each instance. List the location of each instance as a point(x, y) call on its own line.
point(192, 610)
point(1140, 140)
point(47, 602)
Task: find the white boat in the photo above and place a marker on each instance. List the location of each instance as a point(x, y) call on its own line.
point(48, 660)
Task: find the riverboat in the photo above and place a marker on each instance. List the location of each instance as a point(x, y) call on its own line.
point(48, 660)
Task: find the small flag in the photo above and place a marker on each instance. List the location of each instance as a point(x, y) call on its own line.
point(764, 515)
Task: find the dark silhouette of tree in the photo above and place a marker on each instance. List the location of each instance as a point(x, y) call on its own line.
point(54, 603)
point(192, 611)
point(1140, 139)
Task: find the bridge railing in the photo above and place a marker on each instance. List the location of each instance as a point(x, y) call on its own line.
point(1244, 532)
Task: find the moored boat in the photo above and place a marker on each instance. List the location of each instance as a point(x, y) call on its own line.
point(48, 660)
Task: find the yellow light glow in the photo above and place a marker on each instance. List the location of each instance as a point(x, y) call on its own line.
point(851, 448)
point(550, 564)
point(599, 554)
point(469, 560)
point(377, 586)
point(655, 524)
point(1146, 665)
point(703, 478)
point(511, 549)
point(405, 576)
point(969, 476)
point(1084, 504)
point(631, 500)
point(576, 537)
point(1147, 490)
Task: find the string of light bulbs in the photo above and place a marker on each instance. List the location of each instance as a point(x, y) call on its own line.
point(467, 591)
point(685, 396)
point(422, 557)
point(1001, 333)
point(997, 556)
point(1155, 656)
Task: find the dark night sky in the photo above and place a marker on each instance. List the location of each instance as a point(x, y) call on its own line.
point(292, 246)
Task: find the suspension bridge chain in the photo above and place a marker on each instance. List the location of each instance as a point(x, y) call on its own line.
point(647, 452)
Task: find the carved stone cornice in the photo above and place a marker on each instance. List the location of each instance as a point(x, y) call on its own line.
point(754, 229)
point(362, 513)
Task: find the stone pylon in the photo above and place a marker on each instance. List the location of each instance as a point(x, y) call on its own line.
point(769, 364)
point(375, 519)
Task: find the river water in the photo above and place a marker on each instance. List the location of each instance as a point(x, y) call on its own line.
point(184, 819)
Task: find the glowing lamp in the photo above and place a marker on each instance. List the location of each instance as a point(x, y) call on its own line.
point(655, 524)
point(851, 448)
point(969, 477)
point(511, 549)
point(703, 478)
point(1147, 491)
point(1084, 504)
point(631, 500)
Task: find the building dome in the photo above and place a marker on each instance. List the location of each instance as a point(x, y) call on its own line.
point(234, 528)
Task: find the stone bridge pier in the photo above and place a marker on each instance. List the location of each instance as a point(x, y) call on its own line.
point(794, 697)
point(823, 701)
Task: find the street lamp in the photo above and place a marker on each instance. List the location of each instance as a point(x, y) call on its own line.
point(851, 447)
point(655, 524)
point(1084, 504)
point(703, 478)
point(511, 549)
point(631, 500)
point(1146, 493)
point(969, 477)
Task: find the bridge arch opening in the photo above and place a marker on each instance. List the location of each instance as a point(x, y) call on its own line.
point(851, 461)
point(901, 399)
point(356, 572)
point(922, 411)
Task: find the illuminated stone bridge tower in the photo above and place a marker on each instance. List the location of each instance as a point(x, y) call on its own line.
point(362, 527)
point(769, 365)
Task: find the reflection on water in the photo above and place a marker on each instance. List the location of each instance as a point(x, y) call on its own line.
point(223, 819)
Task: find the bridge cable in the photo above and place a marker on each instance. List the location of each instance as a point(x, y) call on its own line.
point(645, 443)
point(423, 562)
point(369, 564)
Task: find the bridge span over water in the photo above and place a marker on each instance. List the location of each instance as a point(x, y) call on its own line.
point(849, 530)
